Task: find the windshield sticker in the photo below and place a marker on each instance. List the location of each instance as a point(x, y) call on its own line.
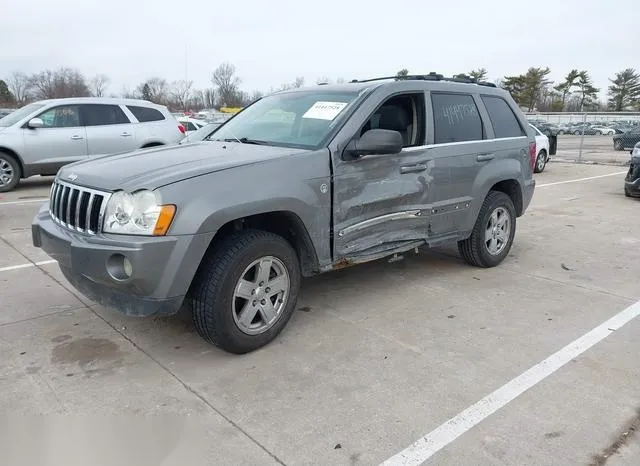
point(325, 110)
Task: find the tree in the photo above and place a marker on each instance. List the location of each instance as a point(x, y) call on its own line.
point(624, 91)
point(146, 92)
point(180, 91)
point(479, 75)
point(255, 95)
point(566, 86)
point(227, 85)
point(6, 97)
point(154, 90)
point(403, 73)
point(99, 84)
point(19, 85)
point(527, 89)
point(587, 91)
point(60, 83)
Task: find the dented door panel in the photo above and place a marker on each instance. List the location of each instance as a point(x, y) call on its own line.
point(381, 202)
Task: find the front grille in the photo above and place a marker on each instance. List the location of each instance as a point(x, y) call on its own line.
point(76, 207)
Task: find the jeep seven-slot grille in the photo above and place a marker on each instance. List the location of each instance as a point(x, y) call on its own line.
point(76, 208)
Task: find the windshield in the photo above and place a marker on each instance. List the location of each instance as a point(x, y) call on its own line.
point(298, 119)
point(14, 117)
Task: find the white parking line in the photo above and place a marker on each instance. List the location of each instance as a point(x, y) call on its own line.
point(26, 266)
point(427, 446)
point(580, 179)
point(29, 201)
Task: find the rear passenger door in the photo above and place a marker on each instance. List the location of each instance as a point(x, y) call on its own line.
point(152, 125)
point(108, 129)
point(456, 137)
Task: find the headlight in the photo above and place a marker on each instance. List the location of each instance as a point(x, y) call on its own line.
point(140, 213)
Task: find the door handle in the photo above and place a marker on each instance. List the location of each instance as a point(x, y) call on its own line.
point(485, 157)
point(125, 134)
point(75, 137)
point(418, 167)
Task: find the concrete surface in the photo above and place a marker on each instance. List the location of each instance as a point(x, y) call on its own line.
point(377, 355)
point(596, 149)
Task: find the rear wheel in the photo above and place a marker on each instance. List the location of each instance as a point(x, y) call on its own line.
point(246, 290)
point(618, 145)
point(493, 233)
point(541, 162)
point(10, 172)
point(577, 133)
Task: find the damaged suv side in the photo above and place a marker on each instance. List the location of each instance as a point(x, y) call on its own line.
point(301, 182)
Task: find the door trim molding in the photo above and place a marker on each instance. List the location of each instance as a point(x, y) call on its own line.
point(404, 215)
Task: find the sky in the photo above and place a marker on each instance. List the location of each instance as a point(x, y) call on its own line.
point(272, 42)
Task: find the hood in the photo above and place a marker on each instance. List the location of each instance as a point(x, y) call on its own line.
point(155, 167)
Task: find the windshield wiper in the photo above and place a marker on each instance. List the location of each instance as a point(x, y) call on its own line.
point(245, 141)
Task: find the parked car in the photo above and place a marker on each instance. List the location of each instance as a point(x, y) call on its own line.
point(5, 111)
point(298, 183)
point(622, 141)
point(191, 124)
point(41, 137)
point(200, 134)
point(632, 180)
point(542, 148)
point(599, 130)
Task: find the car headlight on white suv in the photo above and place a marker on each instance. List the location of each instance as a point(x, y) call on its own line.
point(139, 213)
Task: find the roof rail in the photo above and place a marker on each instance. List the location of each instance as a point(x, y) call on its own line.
point(428, 77)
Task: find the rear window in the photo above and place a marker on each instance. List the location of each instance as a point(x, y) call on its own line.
point(504, 121)
point(144, 114)
point(455, 118)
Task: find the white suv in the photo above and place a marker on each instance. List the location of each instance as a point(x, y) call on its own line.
point(41, 137)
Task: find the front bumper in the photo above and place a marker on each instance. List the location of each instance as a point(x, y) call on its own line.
point(632, 179)
point(162, 267)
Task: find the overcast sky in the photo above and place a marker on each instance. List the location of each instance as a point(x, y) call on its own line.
point(272, 42)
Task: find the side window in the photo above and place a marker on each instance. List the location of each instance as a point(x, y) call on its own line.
point(504, 121)
point(144, 114)
point(99, 115)
point(403, 113)
point(456, 118)
point(66, 116)
point(188, 125)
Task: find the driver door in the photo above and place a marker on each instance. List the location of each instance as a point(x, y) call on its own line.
point(380, 200)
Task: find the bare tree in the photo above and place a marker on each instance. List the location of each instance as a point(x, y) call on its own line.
point(128, 93)
point(227, 85)
point(180, 91)
point(255, 95)
point(299, 82)
point(61, 83)
point(154, 89)
point(99, 84)
point(19, 85)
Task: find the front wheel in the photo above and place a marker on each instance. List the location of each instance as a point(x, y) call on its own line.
point(493, 232)
point(541, 162)
point(245, 291)
point(618, 145)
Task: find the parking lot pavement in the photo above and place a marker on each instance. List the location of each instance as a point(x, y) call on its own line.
point(597, 149)
point(377, 356)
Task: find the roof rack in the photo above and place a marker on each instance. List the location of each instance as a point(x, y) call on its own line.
point(428, 77)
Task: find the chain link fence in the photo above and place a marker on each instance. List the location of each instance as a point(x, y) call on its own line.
point(599, 137)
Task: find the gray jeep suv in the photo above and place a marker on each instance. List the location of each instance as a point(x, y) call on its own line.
point(300, 182)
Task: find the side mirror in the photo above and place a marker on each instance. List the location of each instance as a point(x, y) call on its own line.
point(35, 123)
point(374, 142)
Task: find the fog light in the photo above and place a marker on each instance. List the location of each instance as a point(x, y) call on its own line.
point(119, 267)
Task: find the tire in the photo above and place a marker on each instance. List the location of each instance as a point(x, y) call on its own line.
point(474, 250)
point(598, 133)
point(541, 162)
point(10, 172)
point(216, 308)
point(560, 133)
point(618, 145)
point(576, 133)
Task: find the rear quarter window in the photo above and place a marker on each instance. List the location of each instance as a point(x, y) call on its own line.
point(145, 114)
point(503, 119)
